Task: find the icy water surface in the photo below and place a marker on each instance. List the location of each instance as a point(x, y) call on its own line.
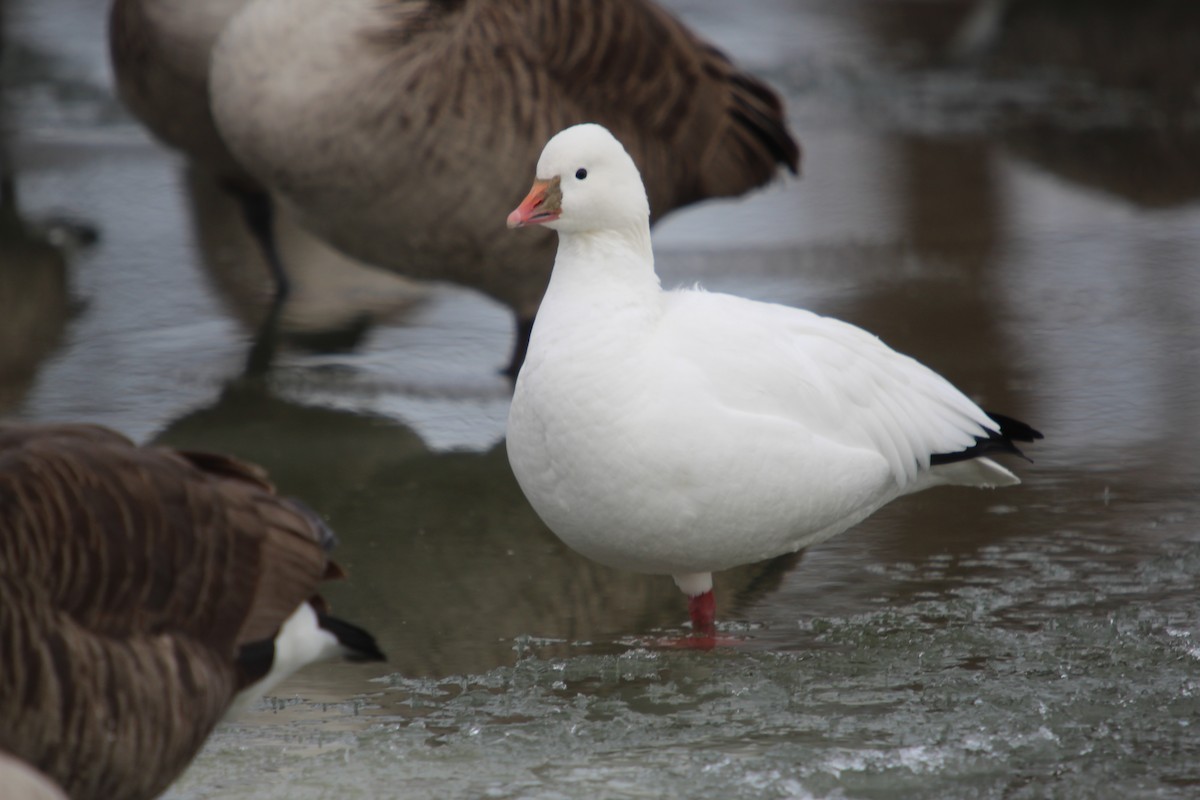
point(1015, 206)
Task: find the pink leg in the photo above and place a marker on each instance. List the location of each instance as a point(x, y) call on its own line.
point(703, 608)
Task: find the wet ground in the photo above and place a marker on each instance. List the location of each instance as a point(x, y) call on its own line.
point(1021, 211)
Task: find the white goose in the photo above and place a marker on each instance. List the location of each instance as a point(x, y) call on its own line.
point(684, 432)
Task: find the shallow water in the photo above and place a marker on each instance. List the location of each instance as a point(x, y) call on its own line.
point(1024, 219)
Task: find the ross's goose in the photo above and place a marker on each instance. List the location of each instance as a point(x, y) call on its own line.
point(685, 432)
point(398, 128)
point(143, 592)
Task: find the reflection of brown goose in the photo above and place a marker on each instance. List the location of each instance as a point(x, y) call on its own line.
point(1140, 62)
point(398, 130)
point(449, 586)
point(1117, 82)
point(449, 562)
point(35, 301)
point(1148, 48)
point(142, 591)
point(320, 454)
point(1152, 168)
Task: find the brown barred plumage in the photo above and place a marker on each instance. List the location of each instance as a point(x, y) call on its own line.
point(130, 579)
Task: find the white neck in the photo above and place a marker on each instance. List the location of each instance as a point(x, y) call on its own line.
point(619, 260)
point(602, 280)
point(634, 239)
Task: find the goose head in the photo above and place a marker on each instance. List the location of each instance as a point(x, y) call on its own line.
point(586, 182)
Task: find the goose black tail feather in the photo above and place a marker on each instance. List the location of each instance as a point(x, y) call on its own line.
point(1001, 441)
point(359, 644)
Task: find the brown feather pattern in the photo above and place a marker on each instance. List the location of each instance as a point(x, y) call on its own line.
point(696, 125)
point(129, 578)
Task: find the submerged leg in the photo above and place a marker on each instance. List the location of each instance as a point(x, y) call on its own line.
point(703, 610)
point(702, 606)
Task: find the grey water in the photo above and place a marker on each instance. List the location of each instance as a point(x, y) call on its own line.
point(1008, 192)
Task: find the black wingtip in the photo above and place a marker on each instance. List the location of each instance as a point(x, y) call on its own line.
point(759, 111)
point(1014, 429)
point(1001, 441)
point(360, 645)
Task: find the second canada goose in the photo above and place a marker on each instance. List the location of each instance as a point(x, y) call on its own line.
point(143, 591)
point(397, 129)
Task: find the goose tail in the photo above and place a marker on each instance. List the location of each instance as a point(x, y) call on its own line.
point(972, 465)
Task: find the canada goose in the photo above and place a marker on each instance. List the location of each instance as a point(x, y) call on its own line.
point(160, 51)
point(685, 432)
point(398, 129)
point(143, 591)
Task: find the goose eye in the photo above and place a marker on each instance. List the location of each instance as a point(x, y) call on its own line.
point(580, 173)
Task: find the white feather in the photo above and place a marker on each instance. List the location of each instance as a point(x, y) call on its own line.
point(685, 432)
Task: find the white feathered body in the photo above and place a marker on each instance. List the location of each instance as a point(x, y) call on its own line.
point(687, 432)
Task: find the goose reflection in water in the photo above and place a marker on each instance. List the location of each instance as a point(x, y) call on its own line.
point(448, 563)
point(1109, 87)
point(36, 304)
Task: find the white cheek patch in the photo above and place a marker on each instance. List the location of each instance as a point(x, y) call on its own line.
point(301, 641)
